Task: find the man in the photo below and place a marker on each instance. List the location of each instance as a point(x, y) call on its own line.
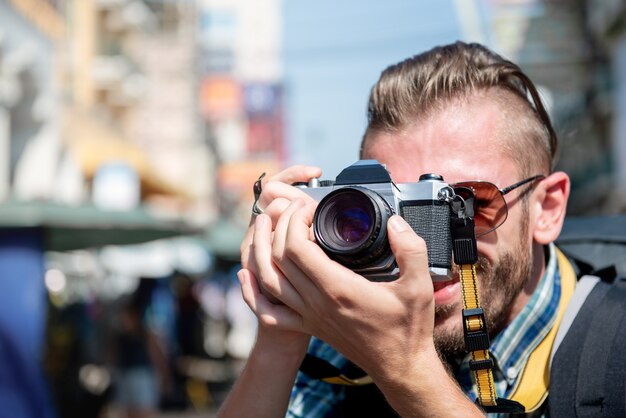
point(467, 114)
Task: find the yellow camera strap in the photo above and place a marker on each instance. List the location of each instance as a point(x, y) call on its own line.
point(476, 337)
point(475, 332)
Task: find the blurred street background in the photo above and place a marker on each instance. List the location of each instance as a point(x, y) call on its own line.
point(131, 132)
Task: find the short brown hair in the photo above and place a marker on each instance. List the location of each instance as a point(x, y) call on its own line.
point(420, 85)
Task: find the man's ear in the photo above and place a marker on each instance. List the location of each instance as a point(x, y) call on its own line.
point(550, 205)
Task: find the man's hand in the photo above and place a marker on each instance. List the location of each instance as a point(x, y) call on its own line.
point(265, 384)
point(384, 327)
point(276, 195)
point(275, 318)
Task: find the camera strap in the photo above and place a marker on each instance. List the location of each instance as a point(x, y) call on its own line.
point(475, 332)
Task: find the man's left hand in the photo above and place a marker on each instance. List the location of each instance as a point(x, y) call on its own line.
point(384, 327)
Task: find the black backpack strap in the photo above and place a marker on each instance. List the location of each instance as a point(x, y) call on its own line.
point(365, 401)
point(588, 374)
point(359, 400)
point(350, 374)
point(583, 288)
point(606, 273)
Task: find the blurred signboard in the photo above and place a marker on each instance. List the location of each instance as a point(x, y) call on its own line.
point(265, 137)
point(220, 97)
point(264, 110)
point(262, 99)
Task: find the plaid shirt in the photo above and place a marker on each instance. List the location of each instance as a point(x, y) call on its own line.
point(510, 350)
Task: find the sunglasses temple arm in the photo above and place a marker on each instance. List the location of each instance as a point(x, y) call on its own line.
point(521, 183)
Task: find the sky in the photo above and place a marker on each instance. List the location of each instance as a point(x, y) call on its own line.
point(334, 51)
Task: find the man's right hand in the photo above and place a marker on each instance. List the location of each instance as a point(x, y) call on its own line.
point(264, 387)
point(275, 333)
point(276, 195)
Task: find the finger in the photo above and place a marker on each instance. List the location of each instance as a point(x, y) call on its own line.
point(269, 276)
point(245, 248)
point(410, 251)
point(284, 195)
point(276, 208)
point(279, 316)
point(303, 255)
point(276, 189)
point(297, 173)
point(282, 224)
point(273, 211)
point(300, 281)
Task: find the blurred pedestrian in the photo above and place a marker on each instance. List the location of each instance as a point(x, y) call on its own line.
point(141, 367)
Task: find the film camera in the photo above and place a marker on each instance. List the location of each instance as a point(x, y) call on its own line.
point(350, 222)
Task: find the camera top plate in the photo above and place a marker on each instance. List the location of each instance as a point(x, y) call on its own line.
point(363, 172)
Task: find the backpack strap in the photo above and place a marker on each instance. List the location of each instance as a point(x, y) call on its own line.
point(584, 286)
point(589, 368)
point(350, 375)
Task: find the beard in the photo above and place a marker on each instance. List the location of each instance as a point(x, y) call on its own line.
point(499, 284)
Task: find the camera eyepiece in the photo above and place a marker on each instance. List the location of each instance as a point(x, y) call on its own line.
point(350, 224)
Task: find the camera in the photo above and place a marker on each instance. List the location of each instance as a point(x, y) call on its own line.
point(350, 222)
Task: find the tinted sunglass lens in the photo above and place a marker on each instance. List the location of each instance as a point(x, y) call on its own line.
point(490, 209)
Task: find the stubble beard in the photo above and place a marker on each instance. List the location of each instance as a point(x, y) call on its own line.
point(498, 285)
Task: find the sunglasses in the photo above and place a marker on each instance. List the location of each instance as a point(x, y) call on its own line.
point(490, 207)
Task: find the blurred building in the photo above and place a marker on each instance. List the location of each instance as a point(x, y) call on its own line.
point(574, 51)
point(28, 90)
point(131, 65)
point(98, 112)
point(241, 95)
point(606, 23)
point(99, 145)
point(29, 32)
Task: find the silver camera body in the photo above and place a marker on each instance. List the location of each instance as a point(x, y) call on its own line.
point(350, 222)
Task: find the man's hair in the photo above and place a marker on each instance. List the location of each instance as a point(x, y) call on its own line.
point(415, 88)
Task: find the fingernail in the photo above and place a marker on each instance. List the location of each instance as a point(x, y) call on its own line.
point(397, 224)
point(240, 276)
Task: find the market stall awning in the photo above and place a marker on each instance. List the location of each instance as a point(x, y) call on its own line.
point(71, 228)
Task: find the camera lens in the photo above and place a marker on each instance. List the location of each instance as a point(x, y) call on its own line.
point(350, 225)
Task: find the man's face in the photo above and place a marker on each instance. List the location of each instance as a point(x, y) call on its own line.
point(464, 142)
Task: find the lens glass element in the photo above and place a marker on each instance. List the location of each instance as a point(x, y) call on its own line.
point(353, 224)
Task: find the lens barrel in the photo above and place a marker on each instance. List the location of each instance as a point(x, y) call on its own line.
point(350, 224)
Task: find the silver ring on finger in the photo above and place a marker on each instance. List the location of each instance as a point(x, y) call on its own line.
point(256, 210)
point(257, 188)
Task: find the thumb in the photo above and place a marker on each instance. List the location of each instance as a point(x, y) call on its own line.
point(409, 249)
